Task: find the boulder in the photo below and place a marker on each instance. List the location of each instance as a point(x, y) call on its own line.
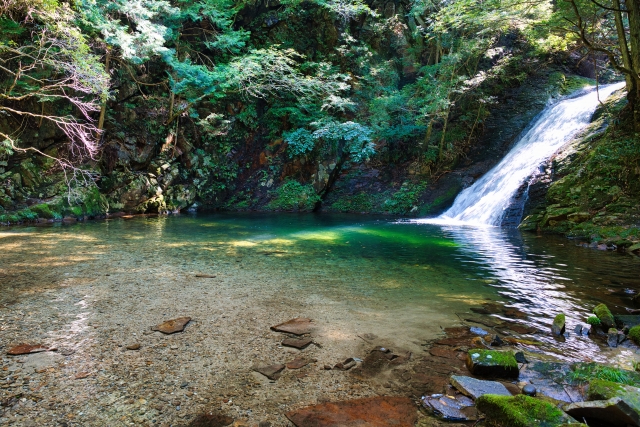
point(520, 411)
point(605, 316)
point(617, 404)
point(634, 334)
point(612, 337)
point(475, 388)
point(492, 363)
point(558, 326)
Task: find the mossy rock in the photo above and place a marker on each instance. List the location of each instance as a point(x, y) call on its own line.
point(605, 316)
point(613, 403)
point(492, 363)
point(520, 411)
point(558, 326)
point(634, 334)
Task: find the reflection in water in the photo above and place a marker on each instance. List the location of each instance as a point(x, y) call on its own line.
point(403, 273)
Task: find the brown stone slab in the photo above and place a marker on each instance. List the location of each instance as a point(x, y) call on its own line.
point(297, 343)
point(299, 362)
point(371, 412)
point(272, 372)
point(444, 351)
point(26, 349)
point(297, 326)
point(173, 325)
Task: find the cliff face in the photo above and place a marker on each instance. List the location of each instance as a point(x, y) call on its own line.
point(231, 153)
point(589, 190)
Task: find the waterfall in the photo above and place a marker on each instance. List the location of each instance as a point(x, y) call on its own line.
point(485, 202)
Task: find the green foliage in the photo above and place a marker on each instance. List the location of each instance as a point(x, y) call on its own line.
point(585, 372)
point(300, 142)
point(293, 196)
point(405, 199)
point(44, 210)
point(361, 203)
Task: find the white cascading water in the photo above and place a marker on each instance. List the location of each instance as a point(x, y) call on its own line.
point(485, 202)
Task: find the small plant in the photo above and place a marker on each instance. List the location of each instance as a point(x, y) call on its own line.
point(594, 321)
point(293, 196)
point(585, 372)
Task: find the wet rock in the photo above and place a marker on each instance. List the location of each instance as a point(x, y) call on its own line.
point(371, 412)
point(520, 357)
point(496, 341)
point(612, 338)
point(520, 411)
point(297, 343)
point(134, 346)
point(272, 372)
point(206, 276)
point(299, 362)
point(297, 326)
point(558, 326)
point(605, 316)
point(578, 330)
point(346, 364)
point(172, 326)
point(475, 388)
point(26, 349)
point(451, 408)
point(478, 331)
point(616, 411)
point(211, 419)
point(492, 363)
point(529, 390)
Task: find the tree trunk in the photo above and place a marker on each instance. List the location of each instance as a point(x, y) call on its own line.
point(622, 41)
point(103, 109)
point(633, 7)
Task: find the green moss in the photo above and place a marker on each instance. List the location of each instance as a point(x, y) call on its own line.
point(519, 411)
point(493, 357)
point(594, 321)
point(293, 196)
point(603, 389)
point(605, 316)
point(358, 203)
point(405, 200)
point(634, 334)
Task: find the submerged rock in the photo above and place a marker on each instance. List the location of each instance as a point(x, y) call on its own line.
point(297, 343)
point(492, 363)
point(529, 390)
point(612, 338)
point(272, 372)
point(211, 419)
point(558, 326)
point(380, 411)
point(605, 316)
point(26, 349)
point(172, 326)
point(475, 388)
point(451, 408)
point(297, 326)
point(520, 411)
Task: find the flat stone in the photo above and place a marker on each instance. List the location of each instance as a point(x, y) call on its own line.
point(26, 349)
point(299, 362)
point(173, 325)
point(478, 331)
point(450, 408)
point(272, 372)
point(475, 388)
point(297, 343)
point(297, 326)
point(135, 346)
point(615, 411)
point(380, 411)
point(206, 276)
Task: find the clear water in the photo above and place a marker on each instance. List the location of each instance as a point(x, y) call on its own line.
point(485, 202)
point(408, 278)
